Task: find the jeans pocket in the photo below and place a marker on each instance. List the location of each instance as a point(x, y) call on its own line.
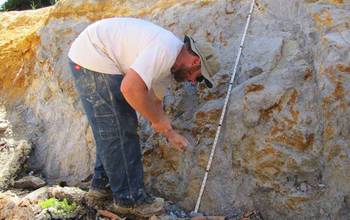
point(86, 84)
point(106, 120)
point(107, 127)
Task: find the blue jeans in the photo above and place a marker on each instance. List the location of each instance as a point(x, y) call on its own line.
point(114, 125)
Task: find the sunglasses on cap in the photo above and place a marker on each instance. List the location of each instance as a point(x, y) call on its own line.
point(201, 78)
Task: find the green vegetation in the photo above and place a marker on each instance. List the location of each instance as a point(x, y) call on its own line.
point(62, 207)
point(18, 5)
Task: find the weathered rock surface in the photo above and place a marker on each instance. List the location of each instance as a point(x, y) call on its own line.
point(3, 126)
point(10, 208)
point(12, 159)
point(284, 148)
point(14, 152)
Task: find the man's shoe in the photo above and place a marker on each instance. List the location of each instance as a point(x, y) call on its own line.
point(144, 207)
point(95, 196)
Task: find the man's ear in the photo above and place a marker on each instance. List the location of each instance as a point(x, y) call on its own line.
point(196, 60)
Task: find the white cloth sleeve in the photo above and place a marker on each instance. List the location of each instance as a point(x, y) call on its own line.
point(151, 63)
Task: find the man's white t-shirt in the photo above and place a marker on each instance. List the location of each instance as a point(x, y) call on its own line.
point(114, 45)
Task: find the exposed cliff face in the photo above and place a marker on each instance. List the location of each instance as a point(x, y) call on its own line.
point(285, 143)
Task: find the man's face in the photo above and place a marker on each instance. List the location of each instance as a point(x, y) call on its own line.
point(184, 73)
point(189, 69)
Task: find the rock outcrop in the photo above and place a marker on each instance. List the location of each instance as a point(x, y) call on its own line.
point(285, 144)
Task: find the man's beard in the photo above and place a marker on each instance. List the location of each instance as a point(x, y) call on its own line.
point(180, 73)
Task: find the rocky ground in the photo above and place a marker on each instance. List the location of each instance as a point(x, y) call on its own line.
point(22, 191)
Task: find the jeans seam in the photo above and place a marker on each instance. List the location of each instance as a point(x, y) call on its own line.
point(105, 115)
point(120, 135)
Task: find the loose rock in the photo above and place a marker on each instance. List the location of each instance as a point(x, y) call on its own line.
point(29, 182)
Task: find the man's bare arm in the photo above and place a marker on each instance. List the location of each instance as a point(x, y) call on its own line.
point(136, 93)
point(148, 105)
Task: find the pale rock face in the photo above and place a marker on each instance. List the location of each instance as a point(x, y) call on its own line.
point(284, 147)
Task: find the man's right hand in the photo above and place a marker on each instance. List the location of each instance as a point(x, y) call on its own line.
point(177, 141)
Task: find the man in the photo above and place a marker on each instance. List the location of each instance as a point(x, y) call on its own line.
point(120, 65)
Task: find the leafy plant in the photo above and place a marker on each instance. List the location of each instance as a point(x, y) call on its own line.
point(45, 204)
point(33, 5)
point(61, 206)
point(18, 5)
